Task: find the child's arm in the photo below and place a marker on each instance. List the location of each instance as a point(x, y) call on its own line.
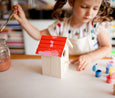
point(104, 50)
point(106, 47)
point(31, 30)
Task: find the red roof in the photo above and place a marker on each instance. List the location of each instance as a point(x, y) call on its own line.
point(51, 45)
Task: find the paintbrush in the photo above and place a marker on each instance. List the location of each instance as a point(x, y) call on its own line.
point(4, 26)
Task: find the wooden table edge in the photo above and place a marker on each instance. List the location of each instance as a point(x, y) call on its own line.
point(23, 56)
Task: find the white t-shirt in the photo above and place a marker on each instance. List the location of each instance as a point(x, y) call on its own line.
point(84, 38)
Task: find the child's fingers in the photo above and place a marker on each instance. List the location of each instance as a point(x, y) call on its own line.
point(85, 66)
point(76, 60)
point(14, 9)
point(19, 7)
point(80, 67)
point(21, 12)
point(16, 17)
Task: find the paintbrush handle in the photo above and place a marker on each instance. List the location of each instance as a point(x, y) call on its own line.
point(3, 27)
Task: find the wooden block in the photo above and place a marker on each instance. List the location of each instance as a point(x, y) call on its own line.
point(113, 89)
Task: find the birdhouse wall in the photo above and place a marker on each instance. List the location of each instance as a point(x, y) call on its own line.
point(65, 60)
point(51, 66)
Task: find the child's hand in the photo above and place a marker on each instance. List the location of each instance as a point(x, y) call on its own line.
point(18, 14)
point(83, 61)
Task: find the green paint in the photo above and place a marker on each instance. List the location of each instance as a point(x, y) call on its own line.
point(113, 52)
point(92, 38)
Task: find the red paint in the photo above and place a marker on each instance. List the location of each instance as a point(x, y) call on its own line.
point(51, 45)
point(92, 23)
point(59, 25)
point(108, 79)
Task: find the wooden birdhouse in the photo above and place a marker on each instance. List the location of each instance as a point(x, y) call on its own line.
point(54, 53)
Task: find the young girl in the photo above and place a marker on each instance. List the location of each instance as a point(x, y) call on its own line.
point(84, 28)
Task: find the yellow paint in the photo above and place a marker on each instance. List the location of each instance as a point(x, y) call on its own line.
point(111, 70)
point(114, 26)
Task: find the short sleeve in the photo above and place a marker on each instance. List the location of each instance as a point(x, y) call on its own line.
point(56, 28)
point(98, 27)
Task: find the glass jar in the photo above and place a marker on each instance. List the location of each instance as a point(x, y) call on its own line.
point(5, 61)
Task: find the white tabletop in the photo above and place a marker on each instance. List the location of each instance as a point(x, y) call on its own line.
point(24, 79)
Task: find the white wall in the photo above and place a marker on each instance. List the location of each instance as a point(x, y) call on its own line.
point(50, 1)
point(31, 44)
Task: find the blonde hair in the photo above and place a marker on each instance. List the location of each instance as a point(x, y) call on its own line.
point(102, 15)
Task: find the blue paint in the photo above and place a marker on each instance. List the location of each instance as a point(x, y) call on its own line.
point(69, 31)
point(98, 73)
point(94, 68)
point(107, 70)
point(94, 25)
point(59, 33)
point(95, 44)
point(92, 31)
point(54, 28)
point(108, 67)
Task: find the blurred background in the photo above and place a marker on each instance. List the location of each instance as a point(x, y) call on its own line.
point(38, 13)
